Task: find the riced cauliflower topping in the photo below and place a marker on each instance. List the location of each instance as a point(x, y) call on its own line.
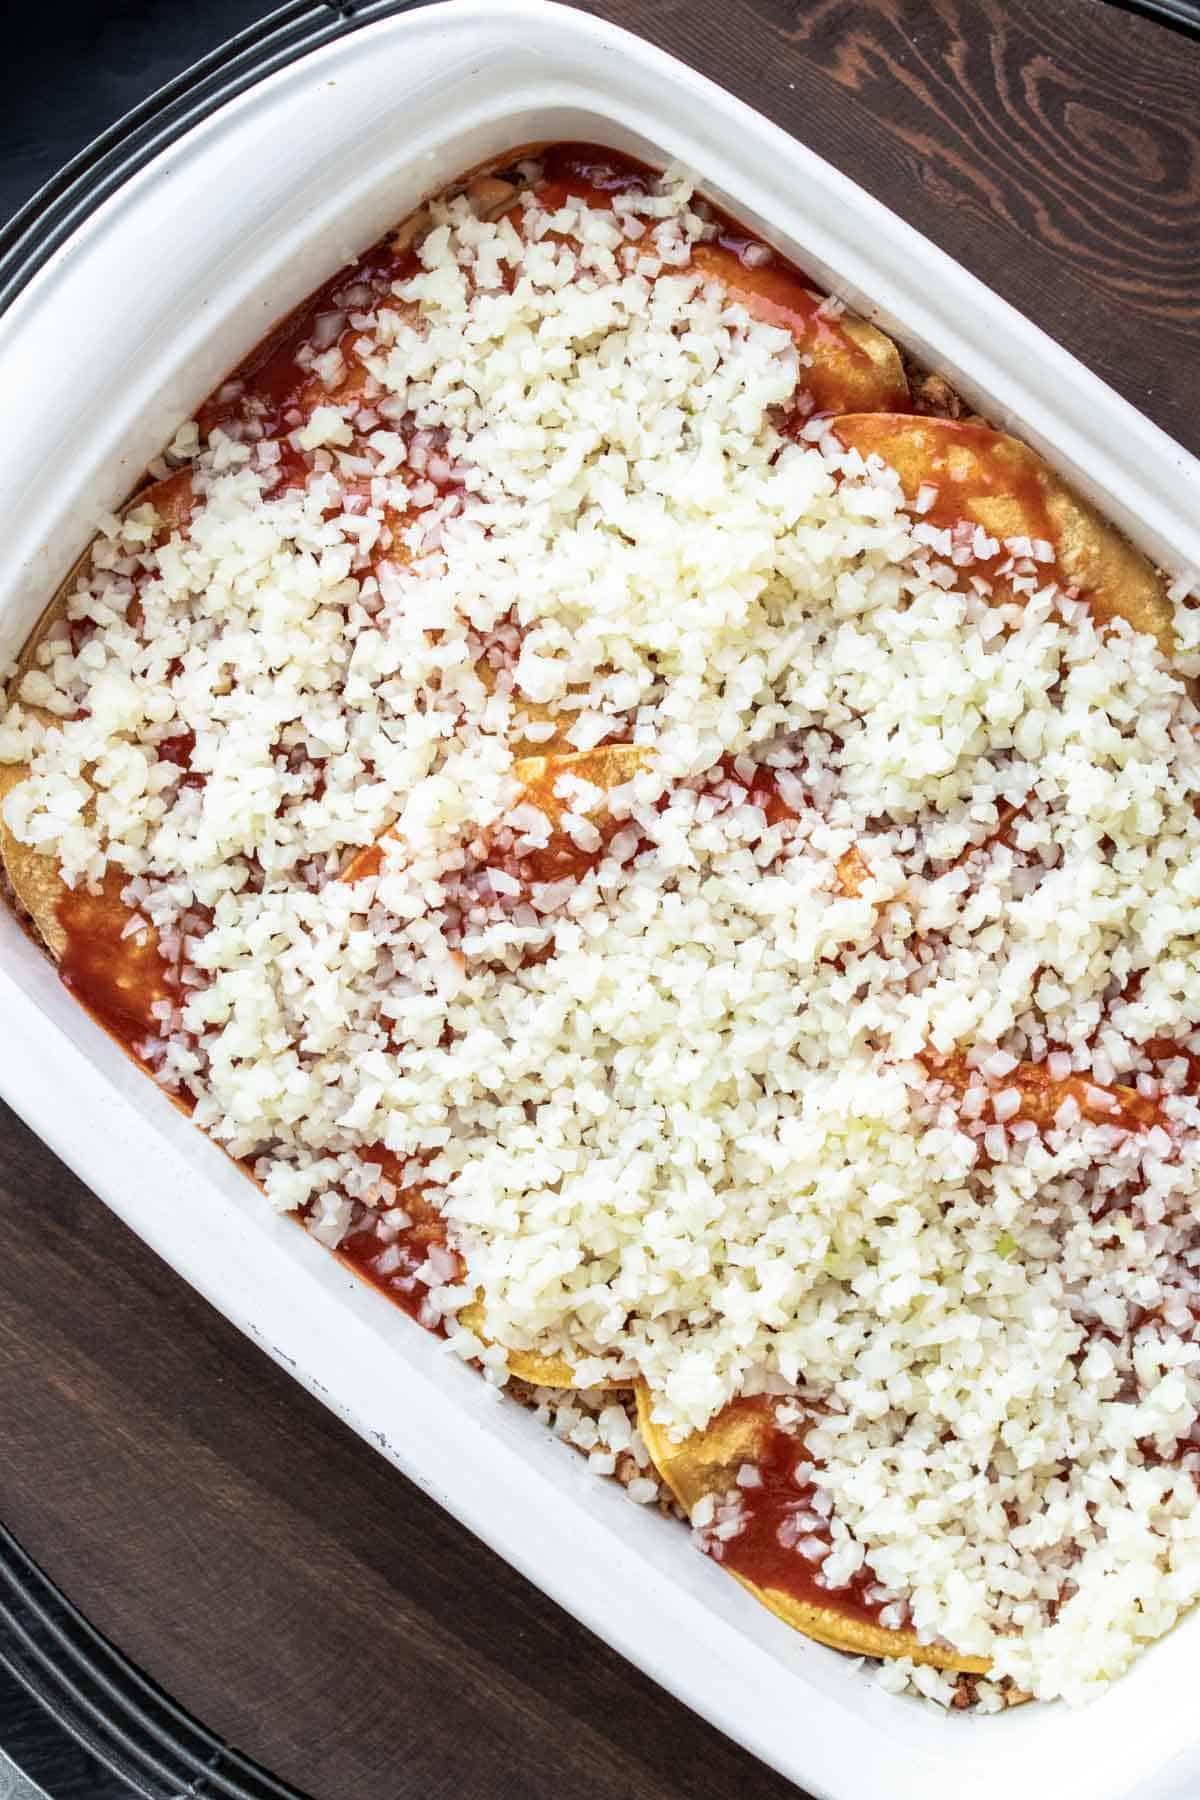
point(741, 1102)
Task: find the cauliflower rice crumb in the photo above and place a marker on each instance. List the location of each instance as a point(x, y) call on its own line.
point(700, 1110)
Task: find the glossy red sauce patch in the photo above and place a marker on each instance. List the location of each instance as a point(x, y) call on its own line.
point(764, 1550)
point(389, 1258)
point(118, 974)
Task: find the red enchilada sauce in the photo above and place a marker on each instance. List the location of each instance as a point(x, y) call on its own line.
point(389, 1258)
point(269, 383)
point(1041, 1094)
point(763, 1551)
point(118, 974)
point(992, 476)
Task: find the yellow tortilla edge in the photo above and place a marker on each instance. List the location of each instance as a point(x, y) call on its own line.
point(33, 874)
point(883, 350)
point(825, 1625)
point(529, 1365)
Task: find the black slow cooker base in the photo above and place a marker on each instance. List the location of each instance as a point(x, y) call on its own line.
point(121, 1722)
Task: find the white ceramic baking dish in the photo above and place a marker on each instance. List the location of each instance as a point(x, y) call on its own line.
point(155, 297)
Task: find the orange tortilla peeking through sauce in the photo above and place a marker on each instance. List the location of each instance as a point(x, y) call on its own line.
point(608, 767)
point(850, 364)
point(996, 482)
point(744, 1435)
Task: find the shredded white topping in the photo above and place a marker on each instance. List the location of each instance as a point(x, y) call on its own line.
point(707, 1110)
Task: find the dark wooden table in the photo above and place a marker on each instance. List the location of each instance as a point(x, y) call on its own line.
point(259, 1561)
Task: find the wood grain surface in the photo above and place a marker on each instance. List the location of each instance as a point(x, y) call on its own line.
point(271, 1571)
point(1052, 146)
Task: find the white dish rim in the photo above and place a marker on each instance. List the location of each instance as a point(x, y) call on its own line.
point(693, 1633)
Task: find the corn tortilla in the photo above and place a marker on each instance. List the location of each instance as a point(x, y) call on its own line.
point(707, 1462)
